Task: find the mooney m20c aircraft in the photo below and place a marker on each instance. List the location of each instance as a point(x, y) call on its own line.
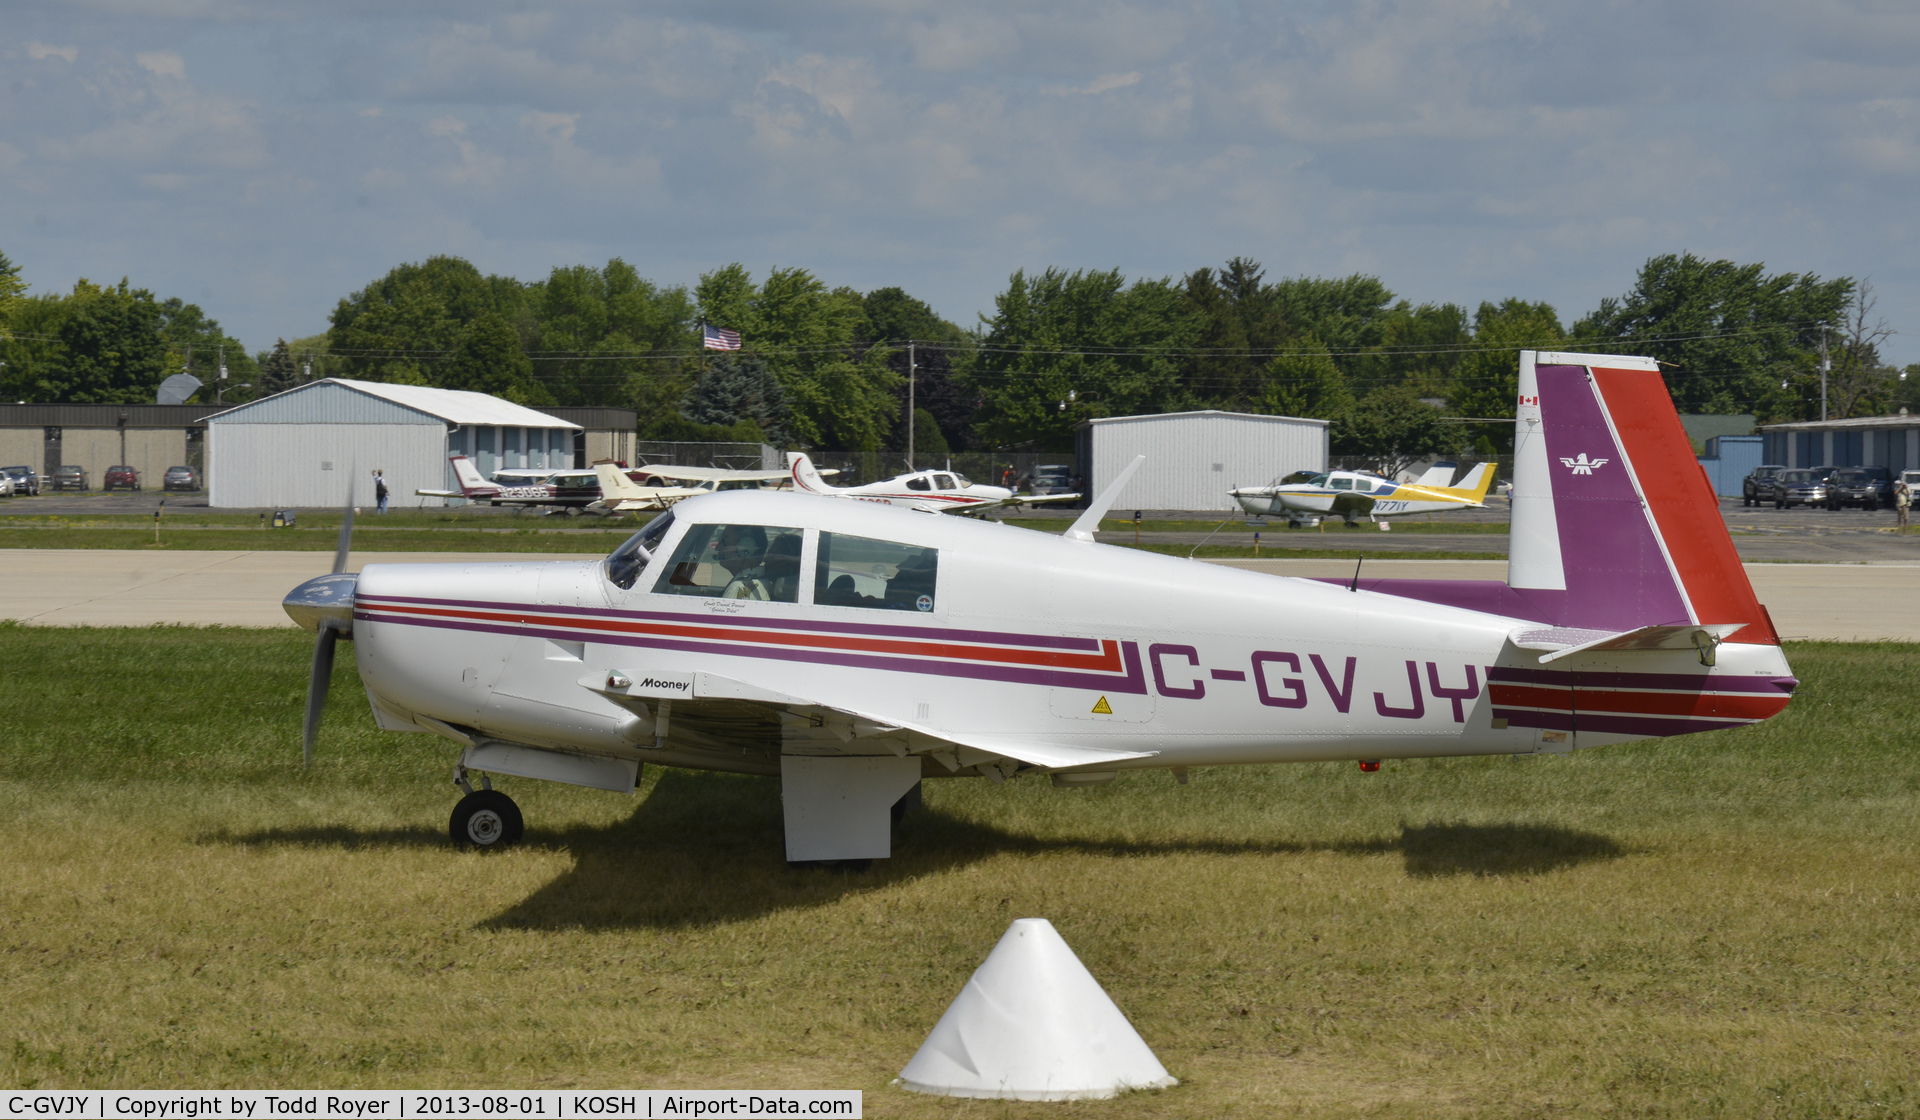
point(853, 649)
point(1351, 495)
point(926, 491)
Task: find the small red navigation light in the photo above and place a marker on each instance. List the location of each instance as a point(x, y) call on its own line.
point(1369, 765)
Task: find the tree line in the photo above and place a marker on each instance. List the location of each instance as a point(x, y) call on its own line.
point(829, 368)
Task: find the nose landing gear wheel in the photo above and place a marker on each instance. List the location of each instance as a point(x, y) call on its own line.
point(485, 819)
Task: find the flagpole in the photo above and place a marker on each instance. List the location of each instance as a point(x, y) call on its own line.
point(910, 406)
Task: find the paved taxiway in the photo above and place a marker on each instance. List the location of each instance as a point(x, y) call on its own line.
point(100, 587)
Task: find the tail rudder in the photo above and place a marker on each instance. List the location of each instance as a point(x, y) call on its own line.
point(1614, 524)
point(1479, 480)
point(613, 482)
point(1439, 476)
point(805, 477)
point(468, 477)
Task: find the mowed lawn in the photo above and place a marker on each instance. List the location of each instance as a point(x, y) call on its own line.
point(1716, 926)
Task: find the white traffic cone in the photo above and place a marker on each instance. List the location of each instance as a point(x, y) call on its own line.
point(1033, 1025)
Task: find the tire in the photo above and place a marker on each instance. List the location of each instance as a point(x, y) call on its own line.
point(485, 819)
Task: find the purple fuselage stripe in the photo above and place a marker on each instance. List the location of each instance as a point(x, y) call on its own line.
point(1617, 576)
point(1667, 682)
point(1133, 682)
point(923, 633)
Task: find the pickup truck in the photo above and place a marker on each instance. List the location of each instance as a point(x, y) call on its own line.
point(1866, 487)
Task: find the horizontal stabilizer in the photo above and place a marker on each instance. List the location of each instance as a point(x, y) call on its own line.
point(1565, 641)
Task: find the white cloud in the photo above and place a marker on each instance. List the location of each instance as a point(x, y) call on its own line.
point(39, 51)
point(1106, 84)
point(163, 64)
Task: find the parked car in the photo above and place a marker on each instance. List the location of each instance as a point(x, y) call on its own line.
point(1866, 487)
point(26, 480)
point(1757, 487)
point(1912, 479)
point(6, 486)
point(121, 477)
point(180, 478)
point(67, 476)
point(1806, 486)
point(1052, 479)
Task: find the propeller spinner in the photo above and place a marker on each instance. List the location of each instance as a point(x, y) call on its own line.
point(324, 604)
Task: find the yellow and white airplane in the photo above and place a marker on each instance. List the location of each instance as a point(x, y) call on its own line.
point(1303, 497)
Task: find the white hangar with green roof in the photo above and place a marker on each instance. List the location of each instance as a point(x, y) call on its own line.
point(298, 448)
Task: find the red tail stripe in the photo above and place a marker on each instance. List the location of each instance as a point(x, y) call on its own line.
point(1107, 660)
point(1685, 508)
point(1739, 706)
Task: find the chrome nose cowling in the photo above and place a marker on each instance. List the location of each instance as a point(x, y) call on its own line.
point(323, 600)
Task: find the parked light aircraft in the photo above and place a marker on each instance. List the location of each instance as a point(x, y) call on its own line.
point(926, 491)
point(853, 649)
point(1352, 495)
point(559, 489)
point(621, 492)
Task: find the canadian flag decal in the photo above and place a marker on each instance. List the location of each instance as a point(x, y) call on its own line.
point(1533, 401)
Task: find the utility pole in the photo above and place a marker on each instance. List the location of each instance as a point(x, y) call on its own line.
point(1826, 364)
point(910, 404)
point(220, 379)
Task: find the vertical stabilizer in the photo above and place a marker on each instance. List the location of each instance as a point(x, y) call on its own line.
point(1614, 524)
point(470, 480)
point(805, 478)
point(1439, 475)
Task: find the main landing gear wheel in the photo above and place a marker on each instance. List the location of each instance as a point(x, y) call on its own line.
point(485, 819)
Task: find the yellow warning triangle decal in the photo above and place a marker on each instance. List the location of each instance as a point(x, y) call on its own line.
point(1102, 708)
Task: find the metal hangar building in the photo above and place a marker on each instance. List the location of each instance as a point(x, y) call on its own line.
point(1194, 458)
point(298, 448)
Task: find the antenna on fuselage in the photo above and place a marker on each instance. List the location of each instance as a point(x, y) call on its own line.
point(1357, 561)
point(1084, 525)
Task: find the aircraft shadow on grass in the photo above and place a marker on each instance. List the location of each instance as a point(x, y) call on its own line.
point(705, 849)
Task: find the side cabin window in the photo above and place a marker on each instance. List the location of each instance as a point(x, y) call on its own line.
point(1343, 484)
point(918, 484)
point(945, 481)
point(1363, 486)
point(735, 562)
point(862, 572)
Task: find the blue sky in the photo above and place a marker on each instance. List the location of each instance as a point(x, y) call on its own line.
point(265, 159)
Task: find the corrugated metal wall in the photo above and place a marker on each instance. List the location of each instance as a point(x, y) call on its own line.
point(306, 465)
point(1193, 459)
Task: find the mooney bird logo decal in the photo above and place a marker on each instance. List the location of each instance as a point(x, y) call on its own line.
point(1582, 464)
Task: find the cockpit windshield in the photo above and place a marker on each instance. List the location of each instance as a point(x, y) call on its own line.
point(624, 564)
point(1317, 480)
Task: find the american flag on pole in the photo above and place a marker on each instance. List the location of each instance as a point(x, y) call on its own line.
point(718, 339)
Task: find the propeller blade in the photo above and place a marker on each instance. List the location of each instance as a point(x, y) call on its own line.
point(317, 688)
point(346, 530)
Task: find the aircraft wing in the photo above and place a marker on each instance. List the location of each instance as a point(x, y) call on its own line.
point(716, 474)
point(440, 493)
point(656, 498)
point(838, 729)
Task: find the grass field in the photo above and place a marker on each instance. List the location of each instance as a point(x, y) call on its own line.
point(1717, 926)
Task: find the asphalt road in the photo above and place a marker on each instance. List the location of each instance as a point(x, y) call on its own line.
point(104, 587)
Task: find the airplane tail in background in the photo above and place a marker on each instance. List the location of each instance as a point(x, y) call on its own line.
point(1615, 526)
point(1438, 476)
point(1474, 486)
point(468, 477)
point(805, 477)
point(614, 483)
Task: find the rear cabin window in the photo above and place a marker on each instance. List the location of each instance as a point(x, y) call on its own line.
point(881, 575)
point(735, 562)
point(918, 484)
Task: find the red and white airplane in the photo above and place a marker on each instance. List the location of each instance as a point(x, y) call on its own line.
point(853, 650)
point(559, 488)
point(926, 491)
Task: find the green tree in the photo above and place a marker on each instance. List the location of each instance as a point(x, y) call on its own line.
point(735, 388)
point(1486, 381)
point(487, 358)
point(609, 336)
point(189, 332)
point(278, 372)
point(1391, 427)
point(1303, 381)
point(405, 325)
point(1728, 332)
point(940, 353)
point(1065, 347)
point(1238, 321)
point(111, 351)
point(11, 289)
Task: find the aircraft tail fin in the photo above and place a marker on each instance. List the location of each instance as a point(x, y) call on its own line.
point(1439, 475)
point(1615, 526)
point(468, 476)
point(614, 484)
point(1475, 485)
point(805, 478)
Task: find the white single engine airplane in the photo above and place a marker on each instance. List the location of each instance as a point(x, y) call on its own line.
point(853, 650)
point(621, 492)
point(926, 491)
point(560, 489)
point(1351, 495)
